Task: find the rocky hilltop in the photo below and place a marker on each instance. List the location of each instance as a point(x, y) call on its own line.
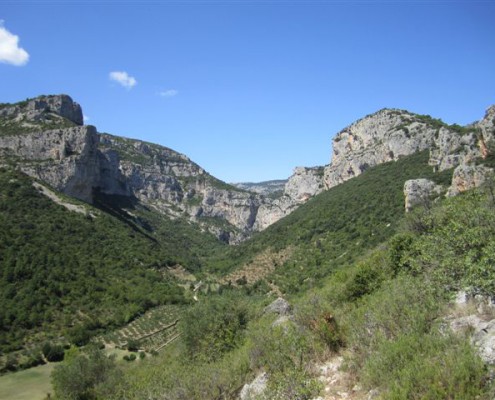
point(45, 138)
point(390, 134)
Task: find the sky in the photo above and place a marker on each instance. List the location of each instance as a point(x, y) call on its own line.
point(249, 89)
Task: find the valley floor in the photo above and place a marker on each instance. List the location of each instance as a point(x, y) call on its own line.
point(32, 384)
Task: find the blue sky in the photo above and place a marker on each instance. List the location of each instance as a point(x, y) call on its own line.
point(251, 89)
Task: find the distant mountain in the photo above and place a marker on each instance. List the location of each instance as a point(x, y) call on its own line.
point(268, 188)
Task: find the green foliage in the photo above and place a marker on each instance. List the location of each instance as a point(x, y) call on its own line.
point(335, 228)
point(132, 345)
point(456, 244)
point(84, 376)
point(53, 352)
point(130, 357)
point(405, 305)
point(62, 269)
point(214, 326)
point(169, 374)
point(425, 366)
point(285, 352)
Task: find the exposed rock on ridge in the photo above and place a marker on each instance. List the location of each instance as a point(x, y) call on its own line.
point(43, 137)
point(376, 139)
point(66, 159)
point(38, 108)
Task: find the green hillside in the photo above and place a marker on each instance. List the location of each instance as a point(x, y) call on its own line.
point(336, 227)
point(62, 270)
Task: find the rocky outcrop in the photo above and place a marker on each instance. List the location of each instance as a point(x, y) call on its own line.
point(172, 184)
point(38, 109)
point(253, 390)
point(479, 324)
point(304, 184)
point(420, 192)
point(466, 177)
point(375, 139)
point(66, 159)
point(43, 137)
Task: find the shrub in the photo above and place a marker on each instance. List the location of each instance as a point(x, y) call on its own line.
point(215, 326)
point(132, 345)
point(81, 375)
point(53, 352)
point(430, 366)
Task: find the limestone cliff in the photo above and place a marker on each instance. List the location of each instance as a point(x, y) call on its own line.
point(375, 139)
point(44, 137)
point(80, 162)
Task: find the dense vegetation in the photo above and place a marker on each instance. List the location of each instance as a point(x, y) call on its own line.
point(337, 226)
point(365, 282)
point(384, 313)
point(66, 273)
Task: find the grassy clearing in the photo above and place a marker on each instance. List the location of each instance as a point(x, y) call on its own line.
point(32, 384)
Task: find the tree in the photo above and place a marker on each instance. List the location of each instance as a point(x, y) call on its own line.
point(81, 376)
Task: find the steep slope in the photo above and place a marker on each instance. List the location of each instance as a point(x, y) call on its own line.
point(335, 227)
point(44, 138)
point(390, 134)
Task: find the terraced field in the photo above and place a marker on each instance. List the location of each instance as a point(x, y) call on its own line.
point(152, 331)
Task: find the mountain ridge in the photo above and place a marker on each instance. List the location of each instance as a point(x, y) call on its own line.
point(45, 138)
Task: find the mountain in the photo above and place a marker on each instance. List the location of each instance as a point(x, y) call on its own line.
point(97, 229)
point(44, 137)
point(272, 188)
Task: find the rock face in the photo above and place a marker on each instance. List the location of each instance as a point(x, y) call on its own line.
point(44, 137)
point(480, 325)
point(252, 391)
point(304, 184)
point(420, 191)
point(39, 108)
point(390, 134)
point(66, 159)
point(375, 139)
point(468, 177)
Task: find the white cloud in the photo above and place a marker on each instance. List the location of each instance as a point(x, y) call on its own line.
point(86, 118)
point(123, 78)
point(10, 52)
point(169, 93)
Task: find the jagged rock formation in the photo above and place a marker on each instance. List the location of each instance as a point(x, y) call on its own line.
point(305, 183)
point(468, 177)
point(66, 158)
point(390, 134)
point(44, 138)
point(42, 108)
point(420, 191)
point(78, 161)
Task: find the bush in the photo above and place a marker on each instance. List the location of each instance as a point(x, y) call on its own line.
point(215, 326)
point(430, 366)
point(132, 345)
point(80, 376)
point(129, 357)
point(53, 352)
point(405, 306)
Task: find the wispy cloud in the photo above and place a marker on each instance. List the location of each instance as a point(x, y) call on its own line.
point(10, 52)
point(123, 78)
point(168, 93)
point(86, 118)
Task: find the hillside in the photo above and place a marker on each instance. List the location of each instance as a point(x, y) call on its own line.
point(336, 227)
point(74, 265)
point(99, 230)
